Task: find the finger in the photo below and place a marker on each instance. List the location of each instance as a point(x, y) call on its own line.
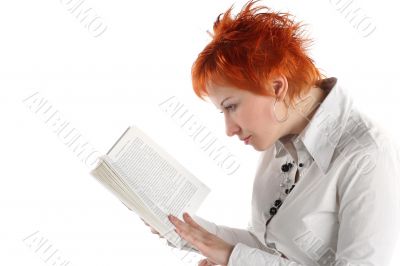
point(188, 219)
point(185, 225)
point(185, 230)
point(144, 222)
point(203, 262)
point(180, 226)
point(210, 263)
point(151, 228)
point(154, 231)
point(197, 237)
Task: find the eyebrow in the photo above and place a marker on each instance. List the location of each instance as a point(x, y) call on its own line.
point(225, 100)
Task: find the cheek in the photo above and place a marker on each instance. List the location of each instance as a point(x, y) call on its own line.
point(263, 116)
point(265, 126)
point(257, 117)
point(269, 114)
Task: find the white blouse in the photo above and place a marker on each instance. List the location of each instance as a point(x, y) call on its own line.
point(345, 206)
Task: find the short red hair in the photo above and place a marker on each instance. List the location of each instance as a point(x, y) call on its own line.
point(251, 47)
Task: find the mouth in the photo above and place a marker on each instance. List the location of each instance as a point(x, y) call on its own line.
point(246, 140)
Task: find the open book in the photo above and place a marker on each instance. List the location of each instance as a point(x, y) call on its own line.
point(150, 182)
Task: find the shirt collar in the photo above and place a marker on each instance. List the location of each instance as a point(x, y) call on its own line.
point(321, 135)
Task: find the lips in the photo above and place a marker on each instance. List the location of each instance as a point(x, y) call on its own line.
point(246, 139)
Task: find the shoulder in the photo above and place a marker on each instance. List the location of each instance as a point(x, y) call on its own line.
point(362, 136)
point(366, 151)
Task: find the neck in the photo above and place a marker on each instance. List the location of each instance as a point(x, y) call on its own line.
point(302, 111)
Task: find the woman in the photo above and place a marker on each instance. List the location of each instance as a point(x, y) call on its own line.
point(326, 191)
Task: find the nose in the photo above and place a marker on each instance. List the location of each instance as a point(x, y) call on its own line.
point(232, 128)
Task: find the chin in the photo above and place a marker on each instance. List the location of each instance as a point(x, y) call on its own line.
point(257, 149)
point(262, 148)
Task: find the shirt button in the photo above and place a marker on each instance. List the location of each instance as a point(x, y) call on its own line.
point(273, 211)
point(285, 168)
point(278, 203)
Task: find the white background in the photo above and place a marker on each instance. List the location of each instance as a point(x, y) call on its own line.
point(102, 85)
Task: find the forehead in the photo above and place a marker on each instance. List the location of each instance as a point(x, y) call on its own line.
point(217, 93)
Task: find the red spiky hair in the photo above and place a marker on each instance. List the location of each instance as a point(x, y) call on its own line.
point(247, 49)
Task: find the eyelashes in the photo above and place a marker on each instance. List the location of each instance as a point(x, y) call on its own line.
point(229, 108)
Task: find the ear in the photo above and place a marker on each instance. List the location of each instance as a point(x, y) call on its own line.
point(279, 86)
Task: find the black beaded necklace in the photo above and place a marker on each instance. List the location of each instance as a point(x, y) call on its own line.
point(286, 187)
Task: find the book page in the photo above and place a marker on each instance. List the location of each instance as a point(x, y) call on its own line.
point(112, 181)
point(161, 182)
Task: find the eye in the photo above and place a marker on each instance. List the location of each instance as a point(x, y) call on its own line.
point(230, 108)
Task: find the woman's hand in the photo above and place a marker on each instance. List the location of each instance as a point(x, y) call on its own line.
point(152, 229)
point(205, 262)
point(214, 248)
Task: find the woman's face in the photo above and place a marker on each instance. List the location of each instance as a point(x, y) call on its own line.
point(247, 115)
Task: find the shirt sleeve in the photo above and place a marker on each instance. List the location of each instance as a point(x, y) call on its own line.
point(243, 255)
point(228, 234)
point(369, 215)
point(369, 207)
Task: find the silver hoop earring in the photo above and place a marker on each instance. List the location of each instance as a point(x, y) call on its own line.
point(287, 113)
